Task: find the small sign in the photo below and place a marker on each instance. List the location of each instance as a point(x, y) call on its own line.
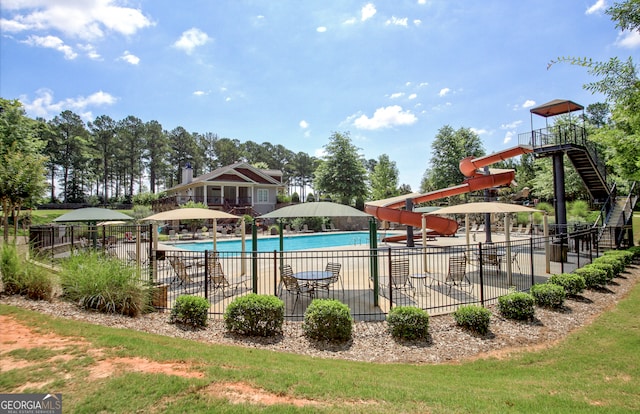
point(30, 403)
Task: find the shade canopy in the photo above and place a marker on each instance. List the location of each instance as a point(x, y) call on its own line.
point(485, 207)
point(315, 209)
point(556, 107)
point(92, 214)
point(191, 214)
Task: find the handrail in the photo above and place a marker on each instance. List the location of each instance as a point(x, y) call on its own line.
point(627, 213)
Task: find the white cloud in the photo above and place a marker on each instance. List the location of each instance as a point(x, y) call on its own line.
point(508, 137)
point(199, 93)
point(599, 5)
point(413, 96)
point(422, 84)
point(396, 21)
point(191, 39)
point(512, 125)
point(422, 1)
point(629, 40)
point(90, 51)
point(417, 22)
point(51, 42)
point(444, 92)
point(367, 12)
point(350, 21)
point(304, 124)
point(321, 29)
point(385, 118)
point(84, 19)
point(479, 131)
point(44, 106)
point(130, 58)
point(529, 103)
point(397, 95)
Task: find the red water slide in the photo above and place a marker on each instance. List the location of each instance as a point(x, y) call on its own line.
point(476, 181)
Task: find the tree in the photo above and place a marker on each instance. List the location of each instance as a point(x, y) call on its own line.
point(384, 179)
point(183, 146)
point(22, 171)
point(342, 174)
point(228, 151)
point(157, 148)
point(103, 129)
point(131, 136)
point(447, 150)
point(72, 144)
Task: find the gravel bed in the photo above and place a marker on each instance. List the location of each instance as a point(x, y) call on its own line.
point(371, 342)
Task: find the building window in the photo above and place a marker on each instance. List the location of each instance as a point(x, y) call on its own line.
point(262, 195)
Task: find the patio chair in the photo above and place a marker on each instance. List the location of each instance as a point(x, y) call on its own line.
point(291, 285)
point(491, 257)
point(305, 229)
point(324, 227)
point(332, 227)
point(183, 276)
point(456, 274)
point(334, 268)
point(133, 258)
point(399, 277)
point(219, 281)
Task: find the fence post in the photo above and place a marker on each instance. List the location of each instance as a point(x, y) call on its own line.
point(373, 258)
point(390, 282)
point(275, 273)
point(533, 279)
point(206, 274)
point(254, 256)
point(481, 274)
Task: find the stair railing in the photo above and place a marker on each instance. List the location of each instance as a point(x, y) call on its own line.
point(627, 212)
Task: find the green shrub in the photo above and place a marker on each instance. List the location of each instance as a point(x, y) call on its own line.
point(626, 255)
point(474, 318)
point(593, 276)
point(38, 283)
point(328, 319)
point(607, 267)
point(104, 284)
point(548, 295)
point(615, 261)
point(408, 322)
point(635, 250)
point(255, 315)
point(10, 269)
point(516, 305)
point(190, 310)
point(573, 284)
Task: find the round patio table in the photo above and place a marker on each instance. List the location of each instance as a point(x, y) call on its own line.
point(313, 275)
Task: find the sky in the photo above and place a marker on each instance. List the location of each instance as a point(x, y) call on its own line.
point(291, 72)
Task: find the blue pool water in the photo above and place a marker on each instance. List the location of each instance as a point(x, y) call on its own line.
point(291, 243)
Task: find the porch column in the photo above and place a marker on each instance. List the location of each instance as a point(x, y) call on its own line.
point(205, 196)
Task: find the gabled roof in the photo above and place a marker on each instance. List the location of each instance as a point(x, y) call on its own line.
point(241, 172)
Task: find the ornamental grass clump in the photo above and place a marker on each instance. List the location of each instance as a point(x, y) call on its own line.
point(573, 284)
point(255, 315)
point(190, 310)
point(548, 295)
point(594, 277)
point(408, 323)
point(516, 305)
point(10, 270)
point(38, 283)
point(328, 319)
point(96, 282)
point(474, 318)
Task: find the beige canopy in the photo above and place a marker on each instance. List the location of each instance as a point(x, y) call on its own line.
point(484, 207)
point(191, 214)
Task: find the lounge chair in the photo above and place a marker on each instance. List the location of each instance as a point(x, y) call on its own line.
point(133, 258)
point(219, 281)
point(183, 275)
point(324, 227)
point(305, 229)
point(291, 285)
point(332, 227)
point(456, 274)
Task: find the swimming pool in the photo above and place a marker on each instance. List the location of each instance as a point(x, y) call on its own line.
point(291, 243)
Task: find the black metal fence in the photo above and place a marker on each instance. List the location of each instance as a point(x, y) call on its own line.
point(370, 281)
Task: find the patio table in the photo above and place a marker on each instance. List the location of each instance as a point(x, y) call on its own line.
point(313, 277)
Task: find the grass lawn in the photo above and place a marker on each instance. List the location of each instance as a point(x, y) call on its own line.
point(596, 369)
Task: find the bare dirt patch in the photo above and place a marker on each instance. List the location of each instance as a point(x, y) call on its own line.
point(240, 393)
point(17, 336)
